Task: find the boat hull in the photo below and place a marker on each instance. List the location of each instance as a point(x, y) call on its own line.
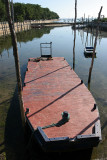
point(63, 144)
point(51, 89)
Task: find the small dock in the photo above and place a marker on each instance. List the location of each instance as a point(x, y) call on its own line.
point(52, 87)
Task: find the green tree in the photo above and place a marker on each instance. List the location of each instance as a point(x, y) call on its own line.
point(2, 11)
point(27, 12)
point(19, 11)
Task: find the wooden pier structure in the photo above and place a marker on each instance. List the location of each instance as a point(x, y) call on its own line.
point(21, 26)
point(18, 26)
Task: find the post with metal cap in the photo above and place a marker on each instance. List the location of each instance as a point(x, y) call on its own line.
point(17, 66)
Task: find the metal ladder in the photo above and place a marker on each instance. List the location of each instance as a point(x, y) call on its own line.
point(46, 45)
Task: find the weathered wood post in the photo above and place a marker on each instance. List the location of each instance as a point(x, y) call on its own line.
point(12, 13)
point(95, 43)
point(74, 49)
point(15, 52)
point(75, 13)
point(74, 34)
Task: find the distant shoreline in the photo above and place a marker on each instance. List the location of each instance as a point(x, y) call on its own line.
point(22, 26)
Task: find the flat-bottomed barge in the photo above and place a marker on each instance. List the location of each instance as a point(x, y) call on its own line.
point(63, 114)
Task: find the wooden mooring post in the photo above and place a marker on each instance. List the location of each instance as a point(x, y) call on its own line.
point(15, 51)
point(75, 13)
point(74, 34)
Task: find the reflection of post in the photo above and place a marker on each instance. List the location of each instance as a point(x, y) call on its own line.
point(8, 53)
point(86, 43)
point(74, 50)
point(95, 43)
point(74, 34)
point(15, 50)
point(82, 36)
point(1, 55)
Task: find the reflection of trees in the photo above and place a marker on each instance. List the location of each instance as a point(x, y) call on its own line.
point(25, 36)
point(5, 43)
point(31, 34)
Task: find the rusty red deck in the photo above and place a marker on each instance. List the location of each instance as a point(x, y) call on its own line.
point(52, 87)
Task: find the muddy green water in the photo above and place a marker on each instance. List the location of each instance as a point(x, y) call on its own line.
point(12, 143)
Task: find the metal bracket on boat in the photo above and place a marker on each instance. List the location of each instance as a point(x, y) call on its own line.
point(95, 106)
point(46, 139)
point(95, 135)
point(81, 81)
point(27, 111)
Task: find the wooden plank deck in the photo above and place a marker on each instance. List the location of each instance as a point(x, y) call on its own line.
point(52, 87)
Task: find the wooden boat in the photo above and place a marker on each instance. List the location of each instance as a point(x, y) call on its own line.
point(60, 111)
point(36, 26)
point(89, 50)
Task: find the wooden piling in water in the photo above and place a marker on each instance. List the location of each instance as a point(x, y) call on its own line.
point(15, 50)
point(75, 12)
point(74, 34)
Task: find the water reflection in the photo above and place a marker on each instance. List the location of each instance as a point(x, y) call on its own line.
point(74, 49)
point(93, 56)
point(25, 36)
point(91, 40)
point(87, 55)
point(28, 41)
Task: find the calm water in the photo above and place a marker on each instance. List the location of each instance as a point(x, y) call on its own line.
point(12, 144)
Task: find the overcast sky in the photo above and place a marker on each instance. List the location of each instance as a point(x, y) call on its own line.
point(65, 8)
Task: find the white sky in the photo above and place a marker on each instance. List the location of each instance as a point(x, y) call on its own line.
point(65, 8)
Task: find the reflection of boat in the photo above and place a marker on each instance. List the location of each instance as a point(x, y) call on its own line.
point(89, 55)
point(89, 50)
point(79, 26)
point(60, 110)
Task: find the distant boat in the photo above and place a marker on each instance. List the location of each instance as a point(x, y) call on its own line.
point(89, 50)
point(79, 26)
point(36, 26)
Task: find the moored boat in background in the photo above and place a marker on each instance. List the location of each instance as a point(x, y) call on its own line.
point(89, 50)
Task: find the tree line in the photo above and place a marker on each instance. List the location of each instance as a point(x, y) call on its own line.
point(101, 20)
point(27, 12)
